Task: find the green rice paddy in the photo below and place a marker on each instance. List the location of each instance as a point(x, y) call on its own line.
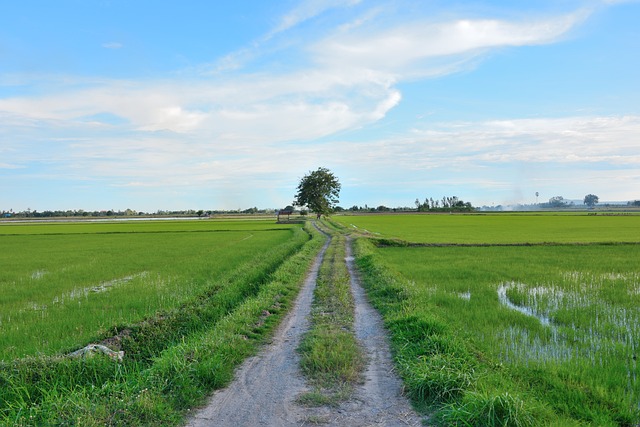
point(498, 228)
point(184, 301)
point(495, 320)
point(511, 319)
point(64, 284)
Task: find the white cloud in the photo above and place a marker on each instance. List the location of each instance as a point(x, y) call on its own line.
point(112, 45)
point(9, 166)
point(256, 107)
point(580, 140)
point(306, 10)
point(349, 83)
point(419, 47)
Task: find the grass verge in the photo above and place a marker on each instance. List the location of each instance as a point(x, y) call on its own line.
point(330, 355)
point(173, 362)
point(441, 373)
point(454, 369)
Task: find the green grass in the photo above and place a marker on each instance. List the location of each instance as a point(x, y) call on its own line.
point(172, 359)
point(559, 346)
point(113, 227)
point(497, 228)
point(330, 355)
point(64, 288)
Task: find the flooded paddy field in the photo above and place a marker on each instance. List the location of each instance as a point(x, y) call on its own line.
point(551, 328)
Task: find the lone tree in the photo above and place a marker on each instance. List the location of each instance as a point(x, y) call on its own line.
point(319, 191)
point(591, 200)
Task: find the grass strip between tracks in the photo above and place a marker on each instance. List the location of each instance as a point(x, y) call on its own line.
point(330, 355)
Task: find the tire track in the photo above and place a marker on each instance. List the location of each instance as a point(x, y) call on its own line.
point(266, 386)
point(379, 401)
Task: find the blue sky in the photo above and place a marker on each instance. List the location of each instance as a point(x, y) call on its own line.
point(162, 105)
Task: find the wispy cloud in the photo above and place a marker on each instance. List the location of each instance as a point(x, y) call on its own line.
point(349, 81)
point(112, 45)
point(306, 10)
point(9, 166)
point(433, 48)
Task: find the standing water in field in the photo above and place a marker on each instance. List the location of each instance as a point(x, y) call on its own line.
point(529, 311)
point(584, 325)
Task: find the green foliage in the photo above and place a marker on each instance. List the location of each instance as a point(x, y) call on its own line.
point(439, 376)
point(484, 410)
point(591, 200)
point(446, 204)
point(558, 202)
point(319, 191)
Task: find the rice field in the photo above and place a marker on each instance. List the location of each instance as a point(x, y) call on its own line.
point(184, 303)
point(550, 330)
point(63, 284)
point(497, 228)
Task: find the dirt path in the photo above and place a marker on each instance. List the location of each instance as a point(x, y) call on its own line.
point(266, 386)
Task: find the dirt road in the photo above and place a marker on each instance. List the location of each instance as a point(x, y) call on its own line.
point(266, 386)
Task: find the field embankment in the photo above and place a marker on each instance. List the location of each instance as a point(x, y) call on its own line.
point(488, 334)
point(228, 289)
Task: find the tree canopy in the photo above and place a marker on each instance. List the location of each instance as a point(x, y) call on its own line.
point(319, 191)
point(557, 202)
point(591, 200)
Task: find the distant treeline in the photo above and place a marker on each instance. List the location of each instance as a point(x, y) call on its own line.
point(445, 204)
point(127, 212)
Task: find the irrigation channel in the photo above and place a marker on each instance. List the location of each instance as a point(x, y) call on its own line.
point(267, 387)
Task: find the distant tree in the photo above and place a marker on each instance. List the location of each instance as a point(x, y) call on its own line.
point(591, 200)
point(319, 191)
point(557, 202)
